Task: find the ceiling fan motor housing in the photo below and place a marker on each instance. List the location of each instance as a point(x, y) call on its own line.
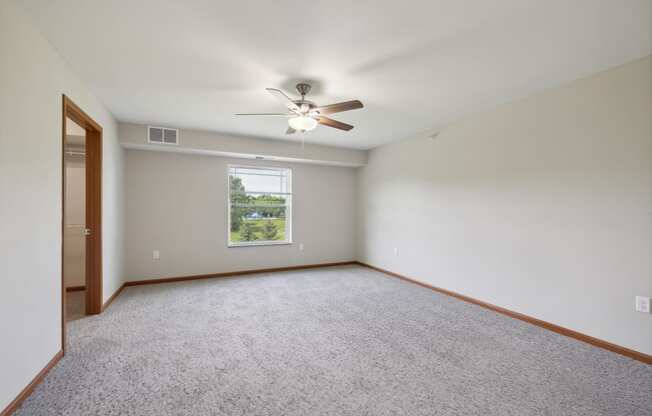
point(303, 88)
point(305, 106)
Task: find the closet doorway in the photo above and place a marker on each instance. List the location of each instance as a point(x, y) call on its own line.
point(82, 215)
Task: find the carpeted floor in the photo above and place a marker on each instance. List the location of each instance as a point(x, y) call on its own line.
point(75, 305)
point(331, 341)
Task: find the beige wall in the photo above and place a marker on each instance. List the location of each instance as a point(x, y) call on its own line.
point(32, 79)
point(177, 204)
point(74, 241)
point(542, 206)
point(134, 136)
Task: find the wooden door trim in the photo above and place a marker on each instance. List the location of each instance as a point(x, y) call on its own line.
point(93, 209)
point(94, 221)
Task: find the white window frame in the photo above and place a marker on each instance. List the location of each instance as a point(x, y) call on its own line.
point(288, 209)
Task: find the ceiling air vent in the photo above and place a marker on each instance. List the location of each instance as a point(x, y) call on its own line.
point(162, 135)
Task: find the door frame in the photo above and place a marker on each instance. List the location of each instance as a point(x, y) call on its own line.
point(93, 210)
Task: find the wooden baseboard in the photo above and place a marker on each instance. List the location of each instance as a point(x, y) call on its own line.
point(75, 288)
point(15, 404)
point(237, 273)
point(636, 355)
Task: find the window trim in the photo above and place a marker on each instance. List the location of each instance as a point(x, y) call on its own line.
point(288, 210)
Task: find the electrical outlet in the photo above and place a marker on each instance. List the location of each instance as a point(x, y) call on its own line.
point(300, 246)
point(156, 255)
point(642, 304)
point(396, 251)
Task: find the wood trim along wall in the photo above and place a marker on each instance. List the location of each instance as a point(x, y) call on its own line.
point(75, 288)
point(15, 404)
point(79, 116)
point(639, 356)
point(112, 298)
point(237, 273)
point(636, 355)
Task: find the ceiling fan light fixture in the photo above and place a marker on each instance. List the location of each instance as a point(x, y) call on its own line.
point(304, 115)
point(302, 123)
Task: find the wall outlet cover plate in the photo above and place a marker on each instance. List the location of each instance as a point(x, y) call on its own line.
point(642, 304)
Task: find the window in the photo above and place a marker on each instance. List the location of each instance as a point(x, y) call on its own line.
point(260, 206)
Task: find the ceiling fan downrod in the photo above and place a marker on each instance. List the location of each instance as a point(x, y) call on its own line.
point(303, 89)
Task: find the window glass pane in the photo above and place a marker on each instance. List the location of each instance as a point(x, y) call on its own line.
point(261, 180)
point(259, 203)
point(251, 224)
point(259, 200)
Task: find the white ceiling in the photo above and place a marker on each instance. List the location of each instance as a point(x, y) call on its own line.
point(416, 65)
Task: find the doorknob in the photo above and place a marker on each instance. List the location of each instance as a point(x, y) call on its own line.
point(87, 231)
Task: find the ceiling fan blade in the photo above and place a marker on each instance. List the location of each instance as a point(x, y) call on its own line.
point(334, 123)
point(339, 107)
point(283, 99)
point(290, 130)
point(267, 114)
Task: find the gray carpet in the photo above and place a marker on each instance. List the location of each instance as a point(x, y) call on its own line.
point(332, 341)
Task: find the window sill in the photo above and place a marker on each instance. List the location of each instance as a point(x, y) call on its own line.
point(262, 243)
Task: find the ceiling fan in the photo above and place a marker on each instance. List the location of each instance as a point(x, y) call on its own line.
point(305, 115)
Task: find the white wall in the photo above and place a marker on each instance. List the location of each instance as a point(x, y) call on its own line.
point(177, 204)
point(542, 206)
point(32, 80)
